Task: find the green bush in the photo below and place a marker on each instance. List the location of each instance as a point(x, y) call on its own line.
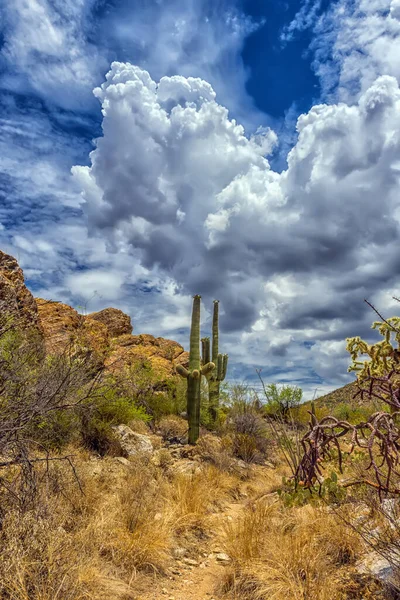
point(297, 495)
point(280, 401)
point(107, 409)
point(352, 413)
point(57, 430)
point(245, 425)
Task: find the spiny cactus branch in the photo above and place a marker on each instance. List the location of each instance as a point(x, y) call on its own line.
point(205, 350)
point(193, 374)
point(215, 332)
point(180, 369)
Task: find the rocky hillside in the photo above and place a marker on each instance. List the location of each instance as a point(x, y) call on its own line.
point(105, 335)
point(344, 394)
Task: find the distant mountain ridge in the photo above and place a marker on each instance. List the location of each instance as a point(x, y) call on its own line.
point(344, 394)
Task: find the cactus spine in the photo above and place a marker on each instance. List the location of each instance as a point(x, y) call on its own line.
point(193, 374)
point(220, 360)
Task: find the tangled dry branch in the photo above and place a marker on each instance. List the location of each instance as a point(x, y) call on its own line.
point(378, 437)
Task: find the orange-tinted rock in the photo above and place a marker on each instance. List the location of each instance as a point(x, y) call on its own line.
point(117, 322)
point(138, 350)
point(16, 301)
point(60, 324)
point(183, 359)
point(95, 335)
point(64, 327)
point(105, 335)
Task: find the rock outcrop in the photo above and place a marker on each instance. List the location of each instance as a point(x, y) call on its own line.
point(135, 350)
point(16, 301)
point(117, 322)
point(132, 443)
point(65, 328)
point(105, 335)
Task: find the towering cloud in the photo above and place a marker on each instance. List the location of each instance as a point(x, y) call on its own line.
point(175, 178)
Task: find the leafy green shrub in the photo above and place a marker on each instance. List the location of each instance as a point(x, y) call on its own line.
point(299, 495)
point(108, 409)
point(246, 425)
point(351, 413)
point(58, 429)
point(141, 385)
point(281, 400)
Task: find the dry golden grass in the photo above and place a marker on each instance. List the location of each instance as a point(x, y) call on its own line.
point(194, 497)
point(102, 544)
point(94, 546)
point(287, 553)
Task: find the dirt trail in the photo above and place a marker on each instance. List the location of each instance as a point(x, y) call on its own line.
point(198, 578)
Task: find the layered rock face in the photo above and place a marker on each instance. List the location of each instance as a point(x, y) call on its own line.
point(106, 335)
point(116, 322)
point(16, 301)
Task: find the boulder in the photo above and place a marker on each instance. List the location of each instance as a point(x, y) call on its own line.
point(65, 328)
point(132, 443)
point(376, 565)
point(117, 322)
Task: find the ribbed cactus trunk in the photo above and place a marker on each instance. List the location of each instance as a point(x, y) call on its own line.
point(193, 375)
point(193, 380)
point(221, 362)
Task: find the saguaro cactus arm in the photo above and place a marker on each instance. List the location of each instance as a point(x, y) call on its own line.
point(180, 369)
point(208, 368)
point(205, 350)
point(215, 332)
point(194, 356)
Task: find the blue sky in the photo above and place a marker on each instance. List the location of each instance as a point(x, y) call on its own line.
point(247, 150)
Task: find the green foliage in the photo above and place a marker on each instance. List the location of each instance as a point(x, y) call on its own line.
point(380, 357)
point(353, 413)
point(57, 430)
point(329, 491)
point(280, 400)
point(109, 408)
point(114, 409)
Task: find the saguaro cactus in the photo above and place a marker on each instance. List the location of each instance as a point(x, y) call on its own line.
point(193, 374)
point(220, 360)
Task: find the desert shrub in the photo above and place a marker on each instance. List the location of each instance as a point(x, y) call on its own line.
point(109, 407)
point(250, 436)
point(281, 400)
point(98, 436)
point(58, 430)
point(147, 390)
point(38, 399)
point(352, 413)
point(217, 451)
point(173, 427)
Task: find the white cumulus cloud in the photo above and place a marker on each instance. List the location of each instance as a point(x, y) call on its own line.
point(291, 255)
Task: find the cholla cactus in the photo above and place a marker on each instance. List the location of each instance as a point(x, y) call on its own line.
point(193, 374)
point(378, 378)
point(382, 356)
point(220, 360)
